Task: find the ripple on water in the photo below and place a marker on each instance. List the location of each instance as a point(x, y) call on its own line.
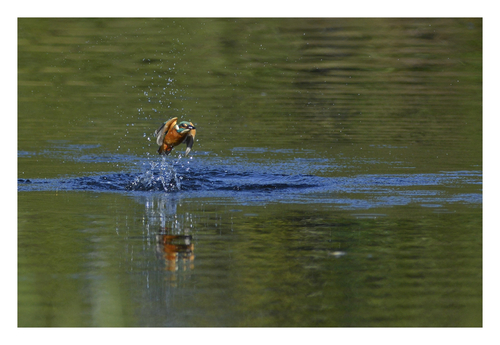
point(246, 184)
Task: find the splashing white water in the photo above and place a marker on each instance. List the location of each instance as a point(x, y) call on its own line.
point(158, 176)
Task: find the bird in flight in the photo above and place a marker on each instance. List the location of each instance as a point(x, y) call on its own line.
point(171, 134)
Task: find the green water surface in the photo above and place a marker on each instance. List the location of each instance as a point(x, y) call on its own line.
point(363, 96)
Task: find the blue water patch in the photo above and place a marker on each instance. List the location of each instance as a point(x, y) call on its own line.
point(246, 183)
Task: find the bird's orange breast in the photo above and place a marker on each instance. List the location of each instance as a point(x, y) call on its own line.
point(173, 138)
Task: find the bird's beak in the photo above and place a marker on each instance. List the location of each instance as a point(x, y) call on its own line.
point(189, 142)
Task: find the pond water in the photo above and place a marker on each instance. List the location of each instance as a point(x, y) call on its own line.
point(335, 180)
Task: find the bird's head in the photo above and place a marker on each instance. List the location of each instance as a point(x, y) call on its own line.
point(184, 127)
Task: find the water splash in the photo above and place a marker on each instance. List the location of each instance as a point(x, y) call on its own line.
point(159, 176)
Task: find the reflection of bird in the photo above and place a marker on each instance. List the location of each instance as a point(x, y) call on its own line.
point(171, 134)
point(175, 247)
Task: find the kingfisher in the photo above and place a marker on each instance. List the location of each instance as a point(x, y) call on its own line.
point(171, 134)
